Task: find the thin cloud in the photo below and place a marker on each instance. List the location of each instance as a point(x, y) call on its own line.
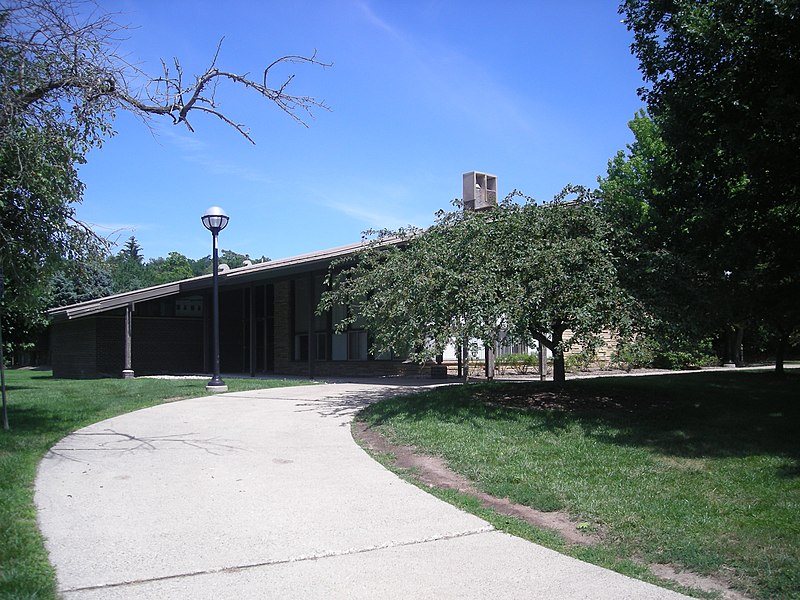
point(375, 205)
point(373, 219)
point(366, 9)
point(200, 152)
point(456, 81)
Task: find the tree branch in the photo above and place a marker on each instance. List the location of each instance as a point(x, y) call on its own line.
point(83, 69)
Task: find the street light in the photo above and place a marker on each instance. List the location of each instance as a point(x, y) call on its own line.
point(215, 220)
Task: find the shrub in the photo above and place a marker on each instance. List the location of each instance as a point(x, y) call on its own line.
point(686, 355)
point(580, 361)
point(637, 354)
point(518, 363)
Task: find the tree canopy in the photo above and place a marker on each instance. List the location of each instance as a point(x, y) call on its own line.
point(542, 272)
point(79, 283)
point(125, 271)
point(720, 199)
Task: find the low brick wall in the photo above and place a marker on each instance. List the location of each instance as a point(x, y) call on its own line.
point(355, 368)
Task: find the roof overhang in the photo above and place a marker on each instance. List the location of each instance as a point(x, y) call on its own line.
point(273, 269)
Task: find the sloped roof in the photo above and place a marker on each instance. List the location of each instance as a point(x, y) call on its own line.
point(280, 267)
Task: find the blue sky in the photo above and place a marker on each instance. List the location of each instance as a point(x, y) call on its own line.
point(538, 93)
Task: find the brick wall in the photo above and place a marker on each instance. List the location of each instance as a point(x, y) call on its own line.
point(160, 345)
point(110, 345)
point(604, 353)
point(233, 325)
point(355, 368)
point(73, 349)
point(283, 332)
point(167, 345)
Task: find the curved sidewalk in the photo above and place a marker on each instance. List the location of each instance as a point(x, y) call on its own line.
point(264, 494)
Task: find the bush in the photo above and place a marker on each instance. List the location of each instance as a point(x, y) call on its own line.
point(685, 354)
point(683, 359)
point(637, 354)
point(518, 363)
point(580, 361)
point(673, 353)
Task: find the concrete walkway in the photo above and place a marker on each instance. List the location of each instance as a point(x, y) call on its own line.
point(265, 494)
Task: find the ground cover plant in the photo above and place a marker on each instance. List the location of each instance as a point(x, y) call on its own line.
point(697, 471)
point(42, 410)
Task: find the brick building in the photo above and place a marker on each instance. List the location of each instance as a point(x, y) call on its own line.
point(267, 326)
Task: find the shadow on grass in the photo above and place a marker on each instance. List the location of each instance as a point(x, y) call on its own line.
point(712, 414)
point(702, 415)
point(32, 419)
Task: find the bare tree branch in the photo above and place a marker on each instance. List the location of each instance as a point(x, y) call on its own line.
point(58, 58)
point(167, 95)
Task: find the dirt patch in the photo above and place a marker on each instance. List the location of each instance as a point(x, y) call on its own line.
point(434, 472)
point(701, 582)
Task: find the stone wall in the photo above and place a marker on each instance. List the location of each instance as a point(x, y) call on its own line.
point(604, 353)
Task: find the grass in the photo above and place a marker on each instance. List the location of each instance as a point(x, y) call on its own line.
point(699, 471)
point(42, 410)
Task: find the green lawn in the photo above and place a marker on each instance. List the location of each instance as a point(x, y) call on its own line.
point(701, 471)
point(42, 410)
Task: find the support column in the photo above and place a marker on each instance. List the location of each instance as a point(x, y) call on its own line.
point(252, 331)
point(312, 338)
point(489, 364)
point(127, 371)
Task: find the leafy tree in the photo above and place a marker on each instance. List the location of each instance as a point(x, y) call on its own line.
point(61, 83)
point(172, 268)
point(127, 268)
point(723, 89)
point(201, 266)
point(448, 292)
point(681, 304)
point(38, 229)
point(234, 260)
point(542, 272)
point(80, 282)
point(130, 272)
point(566, 289)
point(127, 274)
point(132, 251)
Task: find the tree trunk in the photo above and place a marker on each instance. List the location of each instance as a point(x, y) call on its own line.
point(465, 359)
point(783, 343)
point(559, 371)
point(738, 355)
point(554, 345)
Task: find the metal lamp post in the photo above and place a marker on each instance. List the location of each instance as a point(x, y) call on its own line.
point(215, 220)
